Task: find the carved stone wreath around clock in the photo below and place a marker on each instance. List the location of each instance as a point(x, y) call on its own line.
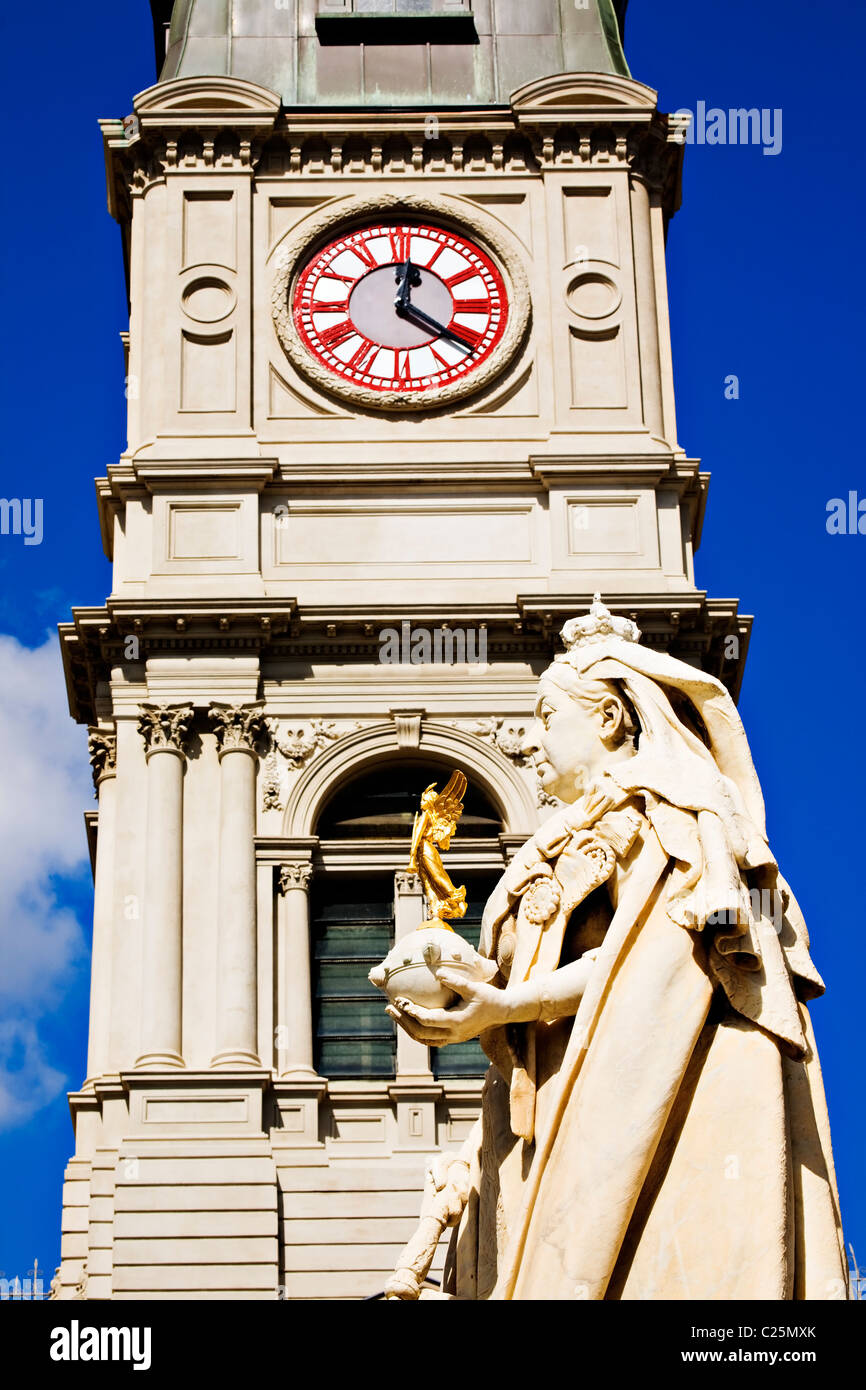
point(349, 215)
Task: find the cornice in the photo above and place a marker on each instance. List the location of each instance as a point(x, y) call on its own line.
point(645, 469)
point(686, 622)
point(97, 638)
point(223, 125)
point(465, 474)
point(134, 477)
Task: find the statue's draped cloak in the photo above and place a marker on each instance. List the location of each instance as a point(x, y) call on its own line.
point(671, 1141)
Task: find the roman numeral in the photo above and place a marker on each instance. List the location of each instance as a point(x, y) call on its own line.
point(472, 306)
point(400, 242)
point(461, 276)
point(360, 360)
point(403, 371)
point(364, 254)
point(329, 306)
point(437, 253)
point(332, 337)
point(468, 335)
point(337, 275)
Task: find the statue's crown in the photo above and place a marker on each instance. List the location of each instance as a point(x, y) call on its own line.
point(598, 624)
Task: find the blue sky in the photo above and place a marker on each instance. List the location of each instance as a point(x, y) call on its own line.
point(759, 289)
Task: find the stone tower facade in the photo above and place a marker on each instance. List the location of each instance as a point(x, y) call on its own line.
point(249, 1125)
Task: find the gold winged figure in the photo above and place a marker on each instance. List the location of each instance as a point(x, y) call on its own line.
point(434, 825)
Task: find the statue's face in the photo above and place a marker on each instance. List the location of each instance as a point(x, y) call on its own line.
point(565, 743)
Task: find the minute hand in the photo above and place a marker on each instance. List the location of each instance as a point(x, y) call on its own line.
point(424, 320)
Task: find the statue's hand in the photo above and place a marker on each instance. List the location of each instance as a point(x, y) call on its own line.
point(483, 1007)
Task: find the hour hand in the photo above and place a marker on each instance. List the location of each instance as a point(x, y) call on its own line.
point(408, 277)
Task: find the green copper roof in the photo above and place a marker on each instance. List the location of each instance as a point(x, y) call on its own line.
point(392, 52)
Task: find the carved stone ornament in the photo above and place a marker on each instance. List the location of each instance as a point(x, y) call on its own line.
point(506, 735)
point(295, 876)
point(237, 727)
point(407, 883)
point(298, 744)
point(102, 746)
point(165, 728)
point(381, 206)
point(272, 787)
point(294, 747)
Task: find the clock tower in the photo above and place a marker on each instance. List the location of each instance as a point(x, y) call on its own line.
point(400, 402)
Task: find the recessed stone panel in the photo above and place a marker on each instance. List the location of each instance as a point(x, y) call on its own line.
point(208, 382)
point(589, 225)
point(389, 536)
point(598, 379)
point(210, 228)
point(204, 532)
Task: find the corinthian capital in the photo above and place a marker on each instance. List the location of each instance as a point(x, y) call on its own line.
point(102, 746)
point(165, 728)
point(295, 876)
point(238, 727)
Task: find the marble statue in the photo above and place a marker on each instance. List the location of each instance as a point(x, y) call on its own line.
point(653, 1122)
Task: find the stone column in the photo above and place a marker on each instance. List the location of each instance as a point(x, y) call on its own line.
point(103, 758)
point(295, 1055)
point(410, 910)
point(239, 730)
point(165, 729)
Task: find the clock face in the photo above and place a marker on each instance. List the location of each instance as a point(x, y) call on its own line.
point(399, 307)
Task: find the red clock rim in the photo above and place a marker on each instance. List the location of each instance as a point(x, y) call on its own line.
point(432, 382)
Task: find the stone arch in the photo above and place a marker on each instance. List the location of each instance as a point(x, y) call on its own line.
point(353, 754)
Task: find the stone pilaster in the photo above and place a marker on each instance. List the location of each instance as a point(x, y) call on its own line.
point(239, 729)
point(165, 729)
point(410, 911)
point(102, 745)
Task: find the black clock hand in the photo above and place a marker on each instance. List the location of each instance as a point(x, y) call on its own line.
point(408, 278)
point(425, 321)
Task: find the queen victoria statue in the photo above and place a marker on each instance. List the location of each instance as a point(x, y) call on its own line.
point(653, 1120)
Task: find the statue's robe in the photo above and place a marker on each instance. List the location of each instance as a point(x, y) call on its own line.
point(665, 1143)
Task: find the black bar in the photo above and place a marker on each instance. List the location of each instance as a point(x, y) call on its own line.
point(392, 29)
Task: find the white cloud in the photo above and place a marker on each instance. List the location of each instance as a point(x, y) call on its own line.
point(44, 788)
point(27, 1079)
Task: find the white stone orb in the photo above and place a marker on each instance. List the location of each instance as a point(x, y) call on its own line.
point(408, 971)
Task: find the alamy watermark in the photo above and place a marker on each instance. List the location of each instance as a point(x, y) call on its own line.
point(763, 902)
point(846, 516)
point(22, 516)
point(441, 646)
point(737, 126)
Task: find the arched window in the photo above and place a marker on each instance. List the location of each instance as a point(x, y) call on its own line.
point(353, 912)
point(382, 805)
